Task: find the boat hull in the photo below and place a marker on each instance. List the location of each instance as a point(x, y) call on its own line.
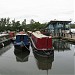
point(21, 48)
point(5, 43)
point(21, 56)
point(48, 53)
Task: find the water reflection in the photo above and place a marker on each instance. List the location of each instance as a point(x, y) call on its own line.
point(21, 56)
point(44, 63)
point(60, 45)
point(29, 63)
point(4, 49)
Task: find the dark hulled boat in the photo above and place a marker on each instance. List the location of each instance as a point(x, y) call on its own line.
point(4, 40)
point(21, 42)
point(22, 56)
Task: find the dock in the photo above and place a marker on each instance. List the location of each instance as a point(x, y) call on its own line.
point(67, 37)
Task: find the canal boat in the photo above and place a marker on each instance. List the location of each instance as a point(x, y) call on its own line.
point(22, 56)
point(41, 44)
point(12, 36)
point(4, 40)
point(21, 42)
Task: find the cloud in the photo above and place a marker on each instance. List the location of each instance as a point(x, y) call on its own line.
point(40, 10)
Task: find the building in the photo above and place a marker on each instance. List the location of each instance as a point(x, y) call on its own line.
point(58, 28)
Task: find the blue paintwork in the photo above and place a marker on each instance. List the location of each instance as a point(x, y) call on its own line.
point(22, 40)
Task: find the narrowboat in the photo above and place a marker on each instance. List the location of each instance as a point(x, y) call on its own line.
point(41, 44)
point(22, 56)
point(4, 40)
point(21, 42)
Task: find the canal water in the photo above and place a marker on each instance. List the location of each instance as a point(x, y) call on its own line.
point(61, 63)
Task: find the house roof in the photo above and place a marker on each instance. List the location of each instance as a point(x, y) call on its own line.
point(53, 22)
point(59, 21)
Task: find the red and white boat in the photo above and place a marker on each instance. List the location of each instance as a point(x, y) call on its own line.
point(12, 36)
point(41, 43)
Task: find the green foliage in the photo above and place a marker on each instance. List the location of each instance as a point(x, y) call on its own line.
point(6, 25)
point(72, 25)
point(35, 26)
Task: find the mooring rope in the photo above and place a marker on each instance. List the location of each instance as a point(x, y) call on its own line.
point(24, 44)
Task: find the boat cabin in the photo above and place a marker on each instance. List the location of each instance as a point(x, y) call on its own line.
point(22, 37)
point(42, 42)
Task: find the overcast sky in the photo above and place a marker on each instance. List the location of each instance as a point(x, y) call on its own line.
point(39, 10)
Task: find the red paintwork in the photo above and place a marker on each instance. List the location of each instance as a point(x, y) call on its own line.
point(43, 43)
point(11, 34)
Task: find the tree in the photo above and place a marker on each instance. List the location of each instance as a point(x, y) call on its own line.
point(24, 22)
point(2, 24)
point(32, 21)
point(8, 20)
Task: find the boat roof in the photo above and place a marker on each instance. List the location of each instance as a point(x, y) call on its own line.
point(3, 35)
point(39, 35)
point(21, 34)
point(59, 21)
point(29, 31)
point(54, 22)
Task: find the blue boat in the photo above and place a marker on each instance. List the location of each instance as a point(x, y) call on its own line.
point(21, 42)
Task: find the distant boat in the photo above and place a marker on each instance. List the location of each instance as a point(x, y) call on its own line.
point(4, 40)
point(12, 36)
point(41, 44)
point(21, 42)
point(29, 33)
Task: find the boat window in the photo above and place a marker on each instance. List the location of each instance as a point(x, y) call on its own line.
point(17, 38)
point(21, 37)
point(25, 38)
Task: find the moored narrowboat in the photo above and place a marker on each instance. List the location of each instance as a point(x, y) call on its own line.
point(21, 42)
point(41, 44)
point(4, 40)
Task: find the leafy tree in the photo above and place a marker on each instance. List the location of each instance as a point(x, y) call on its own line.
point(72, 25)
point(32, 21)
